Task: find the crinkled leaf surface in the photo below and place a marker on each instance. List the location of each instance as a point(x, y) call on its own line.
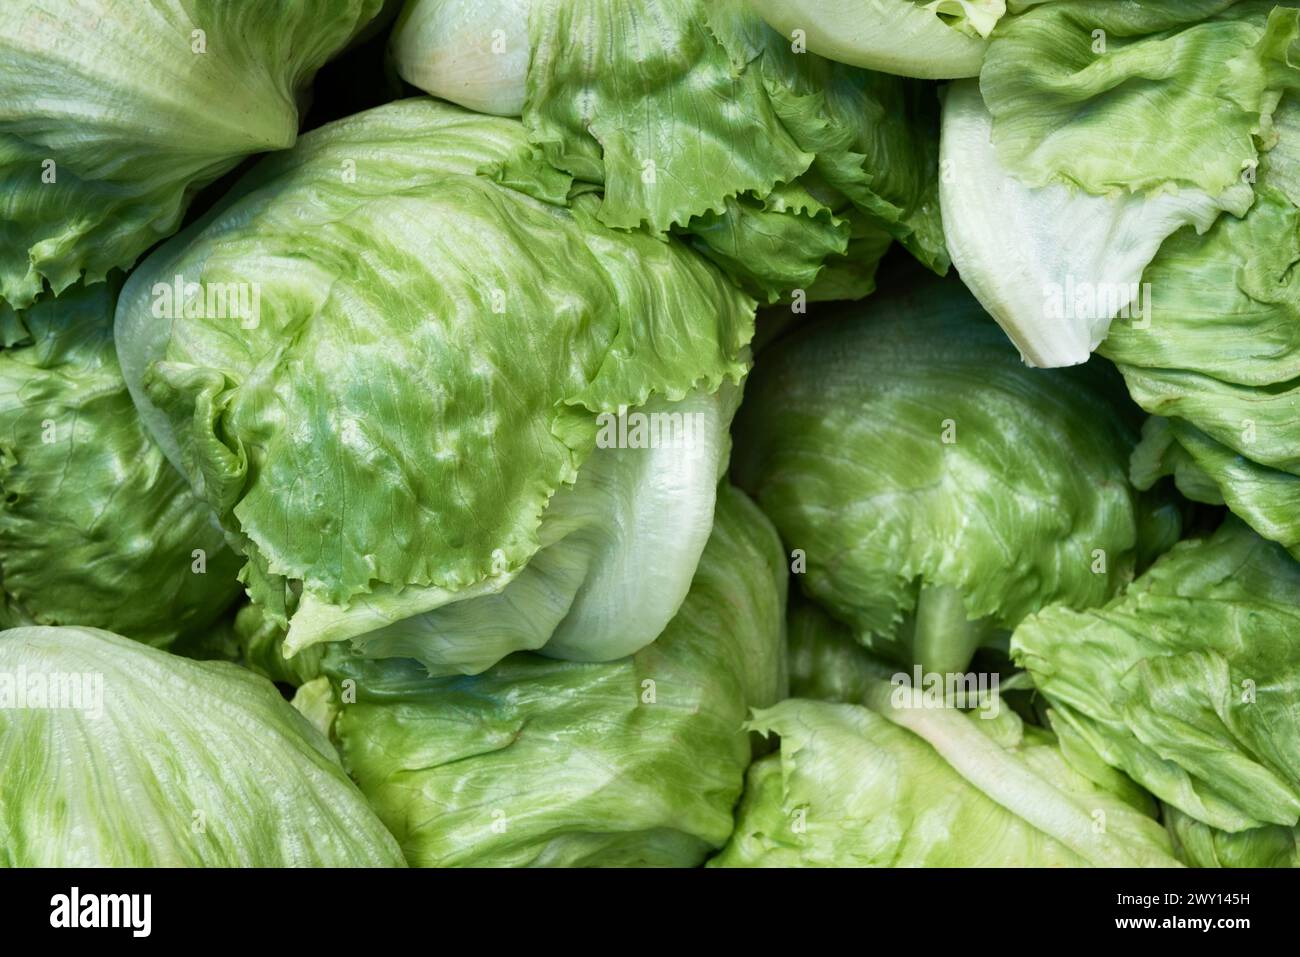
point(96, 526)
point(1188, 680)
point(1053, 264)
point(697, 118)
point(851, 788)
point(536, 762)
point(1181, 92)
point(906, 447)
point(424, 376)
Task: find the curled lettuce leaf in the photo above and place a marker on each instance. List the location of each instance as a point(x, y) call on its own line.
point(931, 39)
point(132, 757)
point(815, 157)
point(617, 553)
point(1263, 497)
point(1053, 264)
point(1219, 354)
point(635, 762)
point(1224, 308)
point(1188, 681)
point(114, 114)
point(1181, 92)
point(1203, 846)
point(405, 422)
point(916, 465)
point(890, 786)
point(96, 527)
point(1159, 454)
point(825, 663)
point(1099, 129)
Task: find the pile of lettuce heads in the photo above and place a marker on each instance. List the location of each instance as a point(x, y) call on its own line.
point(650, 433)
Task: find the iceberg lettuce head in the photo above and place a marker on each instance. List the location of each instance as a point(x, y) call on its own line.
point(466, 418)
point(914, 467)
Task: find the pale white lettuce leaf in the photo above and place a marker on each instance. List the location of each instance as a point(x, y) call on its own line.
point(1034, 256)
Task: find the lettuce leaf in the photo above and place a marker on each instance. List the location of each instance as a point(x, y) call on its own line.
point(932, 39)
point(96, 527)
point(631, 762)
point(916, 464)
point(780, 188)
point(115, 114)
point(892, 787)
point(1187, 681)
point(1219, 356)
point(403, 422)
point(133, 757)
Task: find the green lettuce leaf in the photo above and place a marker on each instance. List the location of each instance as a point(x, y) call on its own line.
point(1219, 356)
point(96, 527)
point(637, 761)
point(931, 39)
point(913, 787)
point(119, 755)
point(1202, 846)
point(1263, 497)
point(1098, 130)
point(404, 423)
point(1224, 307)
point(1181, 92)
point(608, 576)
point(1159, 454)
point(115, 114)
point(1188, 681)
point(1053, 264)
point(630, 96)
point(825, 662)
point(916, 465)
